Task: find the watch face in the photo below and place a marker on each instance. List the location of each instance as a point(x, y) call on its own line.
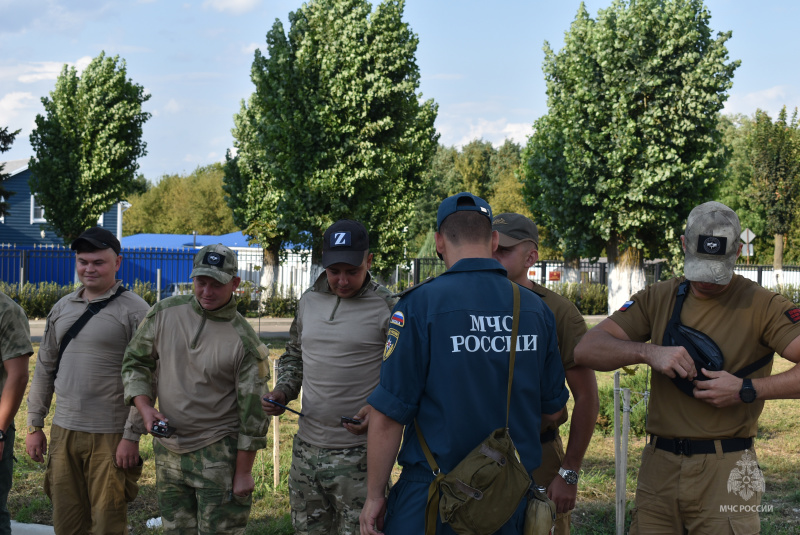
point(748, 395)
point(570, 476)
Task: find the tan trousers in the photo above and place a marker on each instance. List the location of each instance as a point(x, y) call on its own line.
point(713, 494)
point(552, 457)
point(89, 493)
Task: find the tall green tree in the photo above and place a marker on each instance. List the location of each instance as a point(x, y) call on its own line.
point(6, 140)
point(474, 164)
point(775, 159)
point(335, 127)
point(87, 144)
point(630, 142)
point(181, 204)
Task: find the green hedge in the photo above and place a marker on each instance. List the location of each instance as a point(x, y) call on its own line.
point(590, 298)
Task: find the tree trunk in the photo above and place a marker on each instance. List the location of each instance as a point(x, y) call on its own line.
point(777, 260)
point(625, 274)
point(269, 270)
point(572, 270)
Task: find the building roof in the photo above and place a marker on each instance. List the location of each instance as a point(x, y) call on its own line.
point(180, 241)
point(12, 167)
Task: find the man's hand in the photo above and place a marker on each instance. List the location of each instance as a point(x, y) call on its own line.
point(362, 415)
point(562, 494)
point(672, 361)
point(36, 446)
point(372, 514)
point(243, 484)
point(271, 408)
point(127, 454)
point(721, 389)
point(149, 414)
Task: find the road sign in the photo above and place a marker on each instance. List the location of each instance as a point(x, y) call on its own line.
point(747, 235)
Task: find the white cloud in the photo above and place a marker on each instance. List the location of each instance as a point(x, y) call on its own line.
point(17, 104)
point(250, 49)
point(771, 100)
point(237, 7)
point(83, 62)
point(36, 72)
point(496, 132)
point(172, 106)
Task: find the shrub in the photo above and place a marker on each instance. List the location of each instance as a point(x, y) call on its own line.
point(281, 304)
point(789, 291)
point(639, 383)
point(36, 299)
point(590, 298)
point(145, 290)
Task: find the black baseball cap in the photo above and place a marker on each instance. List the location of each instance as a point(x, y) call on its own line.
point(99, 238)
point(345, 241)
point(460, 202)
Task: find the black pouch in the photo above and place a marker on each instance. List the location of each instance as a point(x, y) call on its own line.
point(704, 351)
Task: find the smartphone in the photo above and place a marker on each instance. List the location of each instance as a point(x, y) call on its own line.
point(162, 429)
point(281, 405)
point(354, 421)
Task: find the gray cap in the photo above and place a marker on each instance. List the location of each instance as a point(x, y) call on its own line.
point(216, 261)
point(712, 243)
point(515, 228)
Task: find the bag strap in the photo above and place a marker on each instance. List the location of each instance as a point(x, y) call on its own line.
point(432, 506)
point(73, 331)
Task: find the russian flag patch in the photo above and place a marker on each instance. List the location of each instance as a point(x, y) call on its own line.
point(626, 306)
point(398, 319)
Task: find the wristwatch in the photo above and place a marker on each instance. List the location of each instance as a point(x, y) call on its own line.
point(570, 476)
point(32, 429)
point(747, 394)
point(2, 436)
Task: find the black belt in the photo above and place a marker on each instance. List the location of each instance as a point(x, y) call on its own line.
point(685, 446)
point(548, 436)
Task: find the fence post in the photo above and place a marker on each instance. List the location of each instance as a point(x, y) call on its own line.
point(158, 285)
point(622, 500)
point(760, 272)
point(416, 271)
point(617, 454)
point(276, 435)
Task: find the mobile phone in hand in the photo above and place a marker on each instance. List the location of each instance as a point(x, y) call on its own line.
point(347, 420)
point(162, 429)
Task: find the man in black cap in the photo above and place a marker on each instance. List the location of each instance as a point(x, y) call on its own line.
point(94, 459)
point(335, 353)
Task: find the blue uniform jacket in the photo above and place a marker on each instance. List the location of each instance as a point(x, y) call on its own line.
point(446, 364)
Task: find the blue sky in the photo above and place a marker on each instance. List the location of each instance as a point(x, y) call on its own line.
point(480, 61)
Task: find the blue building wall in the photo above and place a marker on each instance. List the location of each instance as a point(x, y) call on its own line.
point(16, 228)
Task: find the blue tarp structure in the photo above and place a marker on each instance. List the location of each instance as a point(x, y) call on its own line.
point(178, 241)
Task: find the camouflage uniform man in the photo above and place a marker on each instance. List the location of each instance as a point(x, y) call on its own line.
point(94, 464)
point(15, 349)
point(335, 353)
point(212, 372)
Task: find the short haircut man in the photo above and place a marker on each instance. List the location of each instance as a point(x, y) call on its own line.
point(334, 354)
point(699, 472)
point(437, 374)
point(15, 350)
point(212, 372)
point(94, 464)
point(518, 251)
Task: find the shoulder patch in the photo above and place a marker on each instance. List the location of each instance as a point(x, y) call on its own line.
point(391, 342)
point(398, 319)
point(412, 288)
point(793, 315)
point(626, 306)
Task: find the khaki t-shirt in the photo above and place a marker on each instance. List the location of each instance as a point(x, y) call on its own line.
point(15, 338)
point(570, 328)
point(746, 321)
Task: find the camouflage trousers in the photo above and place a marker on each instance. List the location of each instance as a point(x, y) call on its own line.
point(327, 489)
point(195, 490)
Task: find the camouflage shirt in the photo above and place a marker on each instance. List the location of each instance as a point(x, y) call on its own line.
point(15, 334)
point(212, 373)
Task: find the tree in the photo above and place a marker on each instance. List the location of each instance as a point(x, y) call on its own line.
point(6, 140)
point(775, 159)
point(334, 128)
point(630, 142)
point(181, 204)
point(474, 164)
point(86, 145)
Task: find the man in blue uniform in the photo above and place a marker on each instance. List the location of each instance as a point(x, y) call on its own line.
point(446, 365)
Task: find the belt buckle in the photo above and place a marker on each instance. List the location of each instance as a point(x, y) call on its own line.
point(683, 446)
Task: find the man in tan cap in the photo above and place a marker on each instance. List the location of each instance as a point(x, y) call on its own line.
point(712, 338)
point(209, 424)
point(518, 250)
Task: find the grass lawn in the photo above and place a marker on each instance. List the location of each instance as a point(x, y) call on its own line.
point(777, 444)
